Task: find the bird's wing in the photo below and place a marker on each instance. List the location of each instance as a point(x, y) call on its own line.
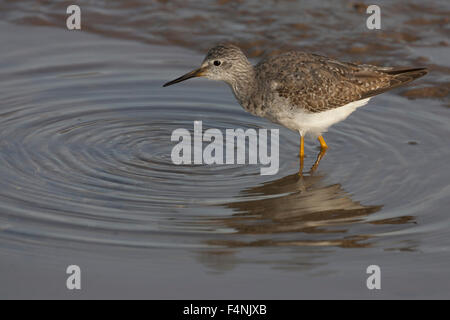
point(315, 83)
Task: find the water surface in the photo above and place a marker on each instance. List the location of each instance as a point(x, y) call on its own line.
point(86, 176)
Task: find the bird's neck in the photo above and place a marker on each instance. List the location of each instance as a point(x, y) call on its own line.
point(243, 83)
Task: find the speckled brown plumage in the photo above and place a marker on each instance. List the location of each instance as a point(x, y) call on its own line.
point(304, 92)
point(316, 83)
point(289, 88)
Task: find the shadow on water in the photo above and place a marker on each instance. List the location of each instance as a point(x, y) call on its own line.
point(295, 204)
point(301, 214)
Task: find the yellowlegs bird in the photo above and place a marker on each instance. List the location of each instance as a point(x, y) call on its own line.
point(301, 91)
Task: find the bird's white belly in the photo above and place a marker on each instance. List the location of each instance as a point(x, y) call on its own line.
point(317, 123)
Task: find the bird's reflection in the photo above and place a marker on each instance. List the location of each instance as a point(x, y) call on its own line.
point(294, 211)
point(295, 204)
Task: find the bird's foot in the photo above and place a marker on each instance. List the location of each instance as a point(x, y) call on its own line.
point(319, 157)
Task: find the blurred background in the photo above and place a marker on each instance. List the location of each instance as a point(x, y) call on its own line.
point(410, 30)
point(86, 176)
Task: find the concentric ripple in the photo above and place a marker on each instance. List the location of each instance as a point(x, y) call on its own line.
point(85, 157)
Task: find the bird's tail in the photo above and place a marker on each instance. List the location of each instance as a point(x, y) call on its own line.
point(403, 76)
point(398, 77)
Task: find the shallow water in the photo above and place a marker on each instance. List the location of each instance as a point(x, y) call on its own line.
point(86, 178)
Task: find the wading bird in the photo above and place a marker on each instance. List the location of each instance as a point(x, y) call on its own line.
point(301, 91)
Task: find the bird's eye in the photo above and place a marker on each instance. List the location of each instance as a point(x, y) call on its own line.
point(216, 62)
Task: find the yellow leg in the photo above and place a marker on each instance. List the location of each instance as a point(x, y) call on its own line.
point(323, 145)
point(323, 150)
point(302, 153)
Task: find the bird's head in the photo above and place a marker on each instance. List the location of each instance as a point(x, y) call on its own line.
point(224, 62)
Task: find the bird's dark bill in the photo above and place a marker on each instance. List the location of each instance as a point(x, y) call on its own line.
point(192, 74)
